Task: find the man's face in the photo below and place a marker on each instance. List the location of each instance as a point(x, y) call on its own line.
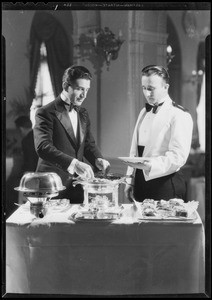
point(154, 88)
point(78, 91)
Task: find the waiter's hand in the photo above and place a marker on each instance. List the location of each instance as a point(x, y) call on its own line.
point(103, 165)
point(146, 165)
point(84, 170)
point(129, 192)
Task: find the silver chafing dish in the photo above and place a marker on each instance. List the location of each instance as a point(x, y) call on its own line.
point(101, 189)
point(38, 188)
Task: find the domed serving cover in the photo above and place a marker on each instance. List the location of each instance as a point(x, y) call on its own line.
point(47, 182)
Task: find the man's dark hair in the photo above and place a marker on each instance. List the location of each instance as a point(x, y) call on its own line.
point(156, 70)
point(23, 121)
point(73, 73)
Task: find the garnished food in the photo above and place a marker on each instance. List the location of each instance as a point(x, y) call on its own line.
point(149, 212)
point(181, 212)
point(165, 209)
point(99, 208)
point(176, 201)
point(163, 204)
point(149, 201)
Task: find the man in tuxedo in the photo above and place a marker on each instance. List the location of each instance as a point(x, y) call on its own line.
point(63, 136)
point(162, 138)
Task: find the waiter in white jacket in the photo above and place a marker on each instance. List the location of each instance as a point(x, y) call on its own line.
point(162, 137)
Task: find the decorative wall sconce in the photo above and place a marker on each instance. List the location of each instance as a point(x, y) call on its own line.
point(169, 56)
point(196, 77)
point(103, 42)
point(106, 44)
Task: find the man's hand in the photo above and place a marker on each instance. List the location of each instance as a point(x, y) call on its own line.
point(146, 165)
point(129, 192)
point(103, 165)
point(84, 170)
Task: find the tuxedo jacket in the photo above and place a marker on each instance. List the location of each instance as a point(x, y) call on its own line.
point(55, 141)
point(169, 141)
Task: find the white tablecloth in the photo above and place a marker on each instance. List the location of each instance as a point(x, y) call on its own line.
point(196, 190)
point(55, 255)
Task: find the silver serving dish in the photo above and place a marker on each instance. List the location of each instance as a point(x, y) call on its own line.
point(38, 188)
point(101, 181)
point(40, 184)
point(103, 186)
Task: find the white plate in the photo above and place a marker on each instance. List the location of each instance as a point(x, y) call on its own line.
point(134, 159)
point(110, 217)
point(192, 218)
point(95, 220)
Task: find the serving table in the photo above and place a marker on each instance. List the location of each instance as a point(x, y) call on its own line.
point(57, 255)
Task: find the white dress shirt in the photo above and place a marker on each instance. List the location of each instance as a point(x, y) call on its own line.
point(74, 120)
point(144, 128)
point(72, 114)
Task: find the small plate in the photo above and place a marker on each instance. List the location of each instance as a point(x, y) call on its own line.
point(134, 159)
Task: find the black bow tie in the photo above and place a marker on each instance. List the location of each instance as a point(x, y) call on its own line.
point(149, 107)
point(72, 106)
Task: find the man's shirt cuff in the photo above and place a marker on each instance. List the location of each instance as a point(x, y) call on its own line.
point(71, 168)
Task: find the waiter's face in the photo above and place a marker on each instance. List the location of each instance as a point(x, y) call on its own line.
point(78, 91)
point(154, 88)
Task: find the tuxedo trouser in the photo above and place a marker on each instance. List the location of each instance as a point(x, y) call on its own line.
point(165, 187)
point(74, 193)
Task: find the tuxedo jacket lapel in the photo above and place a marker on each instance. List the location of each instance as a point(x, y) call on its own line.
point(82, 127)
point(63, 117)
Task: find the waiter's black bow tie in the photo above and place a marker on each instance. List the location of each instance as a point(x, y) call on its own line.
point(149, 107)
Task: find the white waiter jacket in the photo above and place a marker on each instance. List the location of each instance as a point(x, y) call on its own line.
point(169, 141)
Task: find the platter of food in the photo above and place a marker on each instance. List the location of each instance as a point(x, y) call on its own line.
point(167, 210)
point(94, 219)
point(94, 214)
point(170, 219)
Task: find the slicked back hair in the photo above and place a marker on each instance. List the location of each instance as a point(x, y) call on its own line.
point(156, 70)
point(73, 73)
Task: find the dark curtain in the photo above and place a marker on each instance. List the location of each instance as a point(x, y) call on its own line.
point(45, 28)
